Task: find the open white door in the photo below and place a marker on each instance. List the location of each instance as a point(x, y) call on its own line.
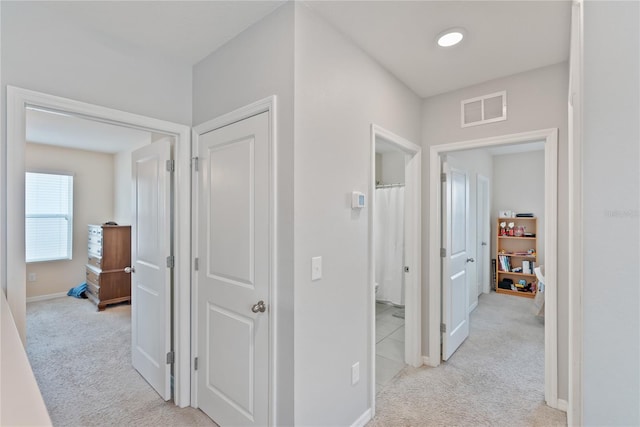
point(412, 258)
point(455, 286)
point(151, 275)
point(233, 274)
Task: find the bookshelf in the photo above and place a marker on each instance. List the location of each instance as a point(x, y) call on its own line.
point(517, 254)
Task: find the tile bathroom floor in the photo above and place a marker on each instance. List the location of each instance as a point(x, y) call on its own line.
point(389, 343)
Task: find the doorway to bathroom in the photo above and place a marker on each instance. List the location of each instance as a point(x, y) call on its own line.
point(394, 256)
point(389, 260)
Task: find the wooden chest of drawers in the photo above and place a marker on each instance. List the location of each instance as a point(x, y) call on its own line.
point(109, 253)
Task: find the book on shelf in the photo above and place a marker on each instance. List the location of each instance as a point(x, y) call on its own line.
point(505, 263)
point(528, 266)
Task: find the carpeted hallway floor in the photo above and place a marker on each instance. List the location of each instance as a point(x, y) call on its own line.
point(82, 362)
point(495, 378)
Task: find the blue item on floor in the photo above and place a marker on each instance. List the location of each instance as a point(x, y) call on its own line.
point(78, 291)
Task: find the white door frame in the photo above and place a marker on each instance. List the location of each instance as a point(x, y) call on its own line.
point(17, 101)
point(413, 283)
point(550, 136)
point(575, 172)
point(486, 286)
point(264, 105)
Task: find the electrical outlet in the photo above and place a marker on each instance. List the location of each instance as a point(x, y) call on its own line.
point(355, 373)
point(32, 277)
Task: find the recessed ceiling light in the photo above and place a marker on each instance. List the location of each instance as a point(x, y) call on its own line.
point(450, 37)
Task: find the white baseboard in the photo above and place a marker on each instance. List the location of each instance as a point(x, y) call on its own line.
point(46, 297)
point(473, 307)
point(363, 419)
point(559, 404)
point(563, 405)
point(427, 361)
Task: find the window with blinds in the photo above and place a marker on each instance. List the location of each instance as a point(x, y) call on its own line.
point(48, 216)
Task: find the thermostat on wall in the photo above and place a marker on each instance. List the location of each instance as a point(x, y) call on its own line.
point(358, 200)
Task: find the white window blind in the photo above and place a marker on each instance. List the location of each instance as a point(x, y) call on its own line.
point(48, 216)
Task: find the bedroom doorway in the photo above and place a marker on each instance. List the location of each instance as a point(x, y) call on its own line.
point(20, 102)
point(549, 138)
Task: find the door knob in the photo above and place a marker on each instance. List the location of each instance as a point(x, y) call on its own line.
point(129, 269)
point(484, 243)
point(260, 307)
point(471, 260)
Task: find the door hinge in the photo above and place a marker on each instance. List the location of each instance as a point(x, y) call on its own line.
point(171, 358)
point(195, 364)
point(443, 328)
point(171, 261)
point(196, 264)
point(443, 252)
point(194, 163)
point(171, 165)
point(443, 177)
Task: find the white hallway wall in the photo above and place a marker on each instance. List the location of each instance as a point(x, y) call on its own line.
point(339, 92)
point(536, 99)
point(611, 227)
point(61, 58)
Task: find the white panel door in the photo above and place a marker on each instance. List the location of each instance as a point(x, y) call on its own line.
point(151, 278)
point(234, 272)
point(455, 287)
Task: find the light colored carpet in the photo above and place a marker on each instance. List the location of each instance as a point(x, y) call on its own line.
point(82, 361)
point(496, 378)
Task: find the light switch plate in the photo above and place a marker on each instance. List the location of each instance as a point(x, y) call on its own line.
point(316, 268)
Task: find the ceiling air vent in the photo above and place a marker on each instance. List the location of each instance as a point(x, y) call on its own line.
point(484, 109)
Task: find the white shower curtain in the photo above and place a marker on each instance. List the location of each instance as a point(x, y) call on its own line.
point(389, 244)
